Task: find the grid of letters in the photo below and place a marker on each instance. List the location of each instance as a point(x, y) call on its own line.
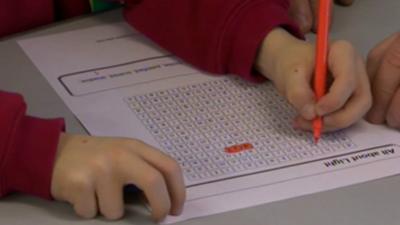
point(196, 123)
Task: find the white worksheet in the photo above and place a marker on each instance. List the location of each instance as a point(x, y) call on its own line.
point(233, 139)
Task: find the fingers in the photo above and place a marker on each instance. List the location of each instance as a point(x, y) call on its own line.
point(385, 83)
point(393, 115)
point(155, 173)
point(171, 172)
point(90, 173)
point(341, 62)
point(356, 107)
point(110, 196)
point(348, 98)
point(300, 11)
point(81, 195)
point(375, 56)
point(300, 94)
point(135, 170)
point(353, 110)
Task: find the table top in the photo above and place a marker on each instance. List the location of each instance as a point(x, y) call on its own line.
point(371, 203)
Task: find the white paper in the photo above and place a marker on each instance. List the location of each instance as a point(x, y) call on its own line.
point(118, 83)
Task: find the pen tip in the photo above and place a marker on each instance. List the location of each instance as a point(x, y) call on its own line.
point(316, 139)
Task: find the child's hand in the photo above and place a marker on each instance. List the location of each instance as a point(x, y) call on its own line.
point(384, 71)
point(90, 173)
point(289, 64)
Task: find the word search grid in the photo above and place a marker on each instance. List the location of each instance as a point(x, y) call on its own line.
point(226, 128)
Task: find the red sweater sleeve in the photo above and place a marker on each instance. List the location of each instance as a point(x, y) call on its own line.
point(27, 148)
point(21, 15)
point(219, 36)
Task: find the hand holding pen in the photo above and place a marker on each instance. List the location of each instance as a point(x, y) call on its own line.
point(290, 64)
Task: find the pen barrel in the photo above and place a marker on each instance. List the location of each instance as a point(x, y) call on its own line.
point(321, 59)
point(322, 48)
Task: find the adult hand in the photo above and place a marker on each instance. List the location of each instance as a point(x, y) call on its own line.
point(305, 13)
point(384, 72)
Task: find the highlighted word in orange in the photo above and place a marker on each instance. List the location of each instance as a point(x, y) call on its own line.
point(239, 148)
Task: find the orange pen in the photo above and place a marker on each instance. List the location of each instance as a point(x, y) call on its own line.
point(321, 68)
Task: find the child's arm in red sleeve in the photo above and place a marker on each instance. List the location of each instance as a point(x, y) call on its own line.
point(21, 15)
point(219, 36)
point(27, 148)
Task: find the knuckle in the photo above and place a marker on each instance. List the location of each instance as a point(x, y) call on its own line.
point(172, 167)
point(343, 45)
point(79, 183)
point(101, 165)
point(153, 179)
point(104, 164)
point(59, 189)
point(117, 154)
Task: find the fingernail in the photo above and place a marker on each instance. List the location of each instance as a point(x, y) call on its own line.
point(308, 112)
